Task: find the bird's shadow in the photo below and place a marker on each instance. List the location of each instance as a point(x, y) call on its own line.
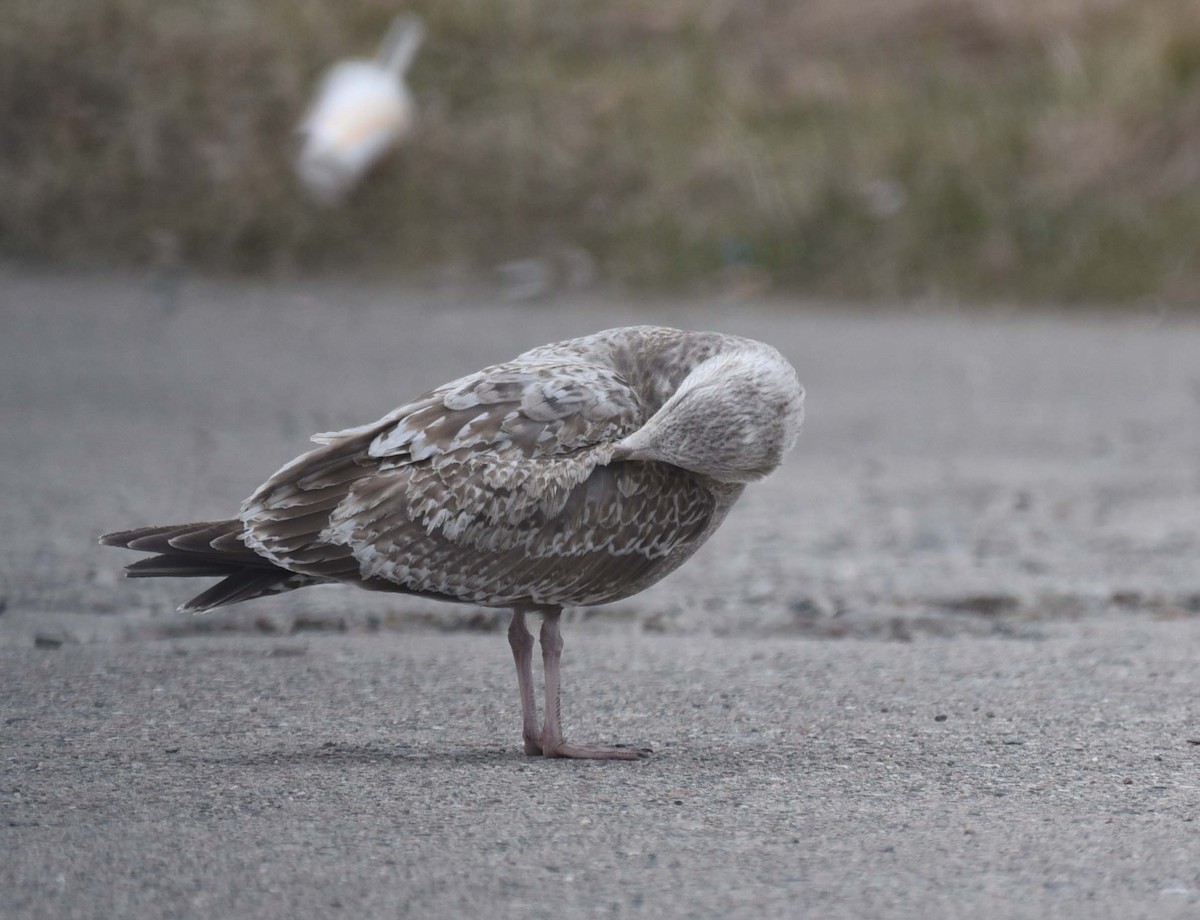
point(397, 755)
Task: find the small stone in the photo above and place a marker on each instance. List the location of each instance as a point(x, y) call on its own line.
point(761, 589)
point(288, 651)
point(982, 604)
point(807, 609)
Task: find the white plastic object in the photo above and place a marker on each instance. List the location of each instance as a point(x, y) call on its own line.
point(361, 110)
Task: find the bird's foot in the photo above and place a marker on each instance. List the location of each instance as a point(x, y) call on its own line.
point(561, 748)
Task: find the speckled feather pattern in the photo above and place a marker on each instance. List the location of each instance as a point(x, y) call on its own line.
point(507, 487)
point(578, 473)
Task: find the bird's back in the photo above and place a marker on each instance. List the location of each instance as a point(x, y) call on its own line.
point(499, 488)
point(578, 473)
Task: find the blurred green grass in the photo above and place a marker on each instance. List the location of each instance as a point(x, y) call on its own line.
point(995, 149)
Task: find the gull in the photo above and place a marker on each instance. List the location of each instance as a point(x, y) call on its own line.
point(578, 473)
point(362, 108)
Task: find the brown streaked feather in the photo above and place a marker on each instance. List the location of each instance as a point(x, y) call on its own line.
point(495, 421)
point(623, 527)
point(503, 487)
point(243, 586)
point(177, 566)
point(216, 539)
point(206, 548)
point(496, 488)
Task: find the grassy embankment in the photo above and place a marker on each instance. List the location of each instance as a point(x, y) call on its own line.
point(1001, 149)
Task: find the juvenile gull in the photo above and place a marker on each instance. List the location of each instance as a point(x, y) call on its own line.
point(578, 473)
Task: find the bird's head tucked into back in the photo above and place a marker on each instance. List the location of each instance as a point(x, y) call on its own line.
point(733, 418)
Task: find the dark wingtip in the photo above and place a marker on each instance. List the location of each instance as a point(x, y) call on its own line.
point(127, 538)
point(158, 539)
point(243, 585)
point(178, 566)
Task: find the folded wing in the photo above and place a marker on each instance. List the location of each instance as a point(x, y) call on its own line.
point(494, 489)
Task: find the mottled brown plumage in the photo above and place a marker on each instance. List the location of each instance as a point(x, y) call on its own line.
point(578, 473)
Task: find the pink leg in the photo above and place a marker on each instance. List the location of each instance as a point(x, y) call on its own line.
point(521, 640)
point(553, 744)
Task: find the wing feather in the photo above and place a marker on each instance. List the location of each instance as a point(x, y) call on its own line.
point(478, 465)
point(622, 528)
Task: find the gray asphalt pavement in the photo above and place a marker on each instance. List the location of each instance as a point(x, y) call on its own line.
point(944, 663)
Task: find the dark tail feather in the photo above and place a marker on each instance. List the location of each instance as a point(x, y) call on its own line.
point(175, 566)
point(208, 538)
point(206, 548)
point(246, 585)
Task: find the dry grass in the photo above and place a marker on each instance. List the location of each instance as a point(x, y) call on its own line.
point(970, 148)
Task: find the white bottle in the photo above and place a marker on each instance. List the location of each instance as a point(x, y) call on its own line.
point(362, 108)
